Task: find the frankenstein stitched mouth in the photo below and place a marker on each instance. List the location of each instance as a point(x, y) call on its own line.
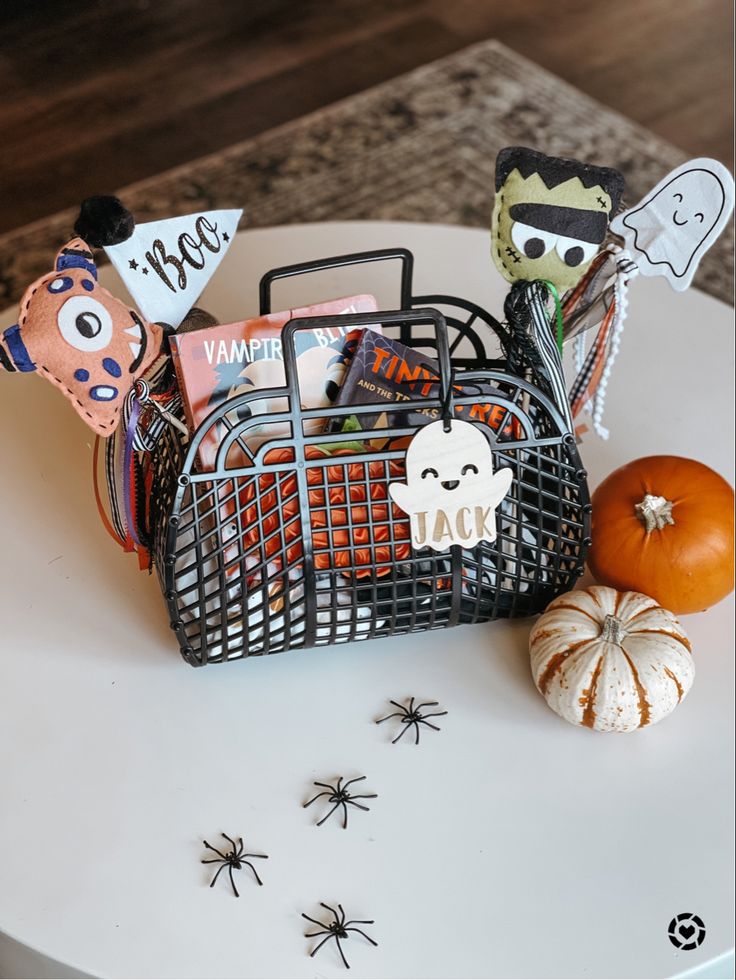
point(139, 345)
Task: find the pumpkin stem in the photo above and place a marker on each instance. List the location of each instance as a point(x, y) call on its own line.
point(654, 512)
point(613, 630)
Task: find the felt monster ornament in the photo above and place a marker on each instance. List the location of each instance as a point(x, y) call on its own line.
point(550, 215)
point(81, 338)
point(451, 491)
point(666, 234)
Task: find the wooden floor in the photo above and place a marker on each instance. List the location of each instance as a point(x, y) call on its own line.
point(101, 93)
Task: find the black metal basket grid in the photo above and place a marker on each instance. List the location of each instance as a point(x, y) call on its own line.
point(285, 546)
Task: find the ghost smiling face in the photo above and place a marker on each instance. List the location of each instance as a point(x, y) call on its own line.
point(677, 222)
point(451, 492)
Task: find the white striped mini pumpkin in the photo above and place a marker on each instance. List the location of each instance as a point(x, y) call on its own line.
point(608, 660)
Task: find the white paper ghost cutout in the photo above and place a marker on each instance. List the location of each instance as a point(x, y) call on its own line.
point(451, 492)
point(166, 264)
point(672, 228)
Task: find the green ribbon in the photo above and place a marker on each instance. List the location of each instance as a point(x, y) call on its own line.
point(558, 310)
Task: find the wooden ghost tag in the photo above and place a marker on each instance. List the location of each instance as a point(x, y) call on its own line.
point(451, 491)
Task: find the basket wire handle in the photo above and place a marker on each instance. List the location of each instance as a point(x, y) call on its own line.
point(357, 320)
point(338, 262)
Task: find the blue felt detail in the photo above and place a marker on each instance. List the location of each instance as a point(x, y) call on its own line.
point(103, 393)
point(112, 367)
point(60, 284)
point(76, 262)
point(14, 343)
point(88, 285)
point(81, 374)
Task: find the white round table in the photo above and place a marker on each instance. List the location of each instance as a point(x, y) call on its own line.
point(510, 844)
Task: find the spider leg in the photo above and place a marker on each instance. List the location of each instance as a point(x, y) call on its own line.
point(427, 704)
point(396, 714)
point(341, 921)
point(345, 815)
point(325, 786)
point(310, 802)
point(254, 855)
point(364, 796)
point(211, 848)
point(428, 724)
point(311, 935)
point(341, 953)
point(217, 875)
point(229, 839)
point(320, 822)
point(359, 805)
point(321, 944)
point(330, 909)
point(211, 861)
point(416, 726)
point(361, 922)
point(396, 704)
point(352, 929)
point(403, 731)
point(434, 714)
point(310, 919)
point(254, 871)
point(357, 779)
point(232, 880)
point(411, 706)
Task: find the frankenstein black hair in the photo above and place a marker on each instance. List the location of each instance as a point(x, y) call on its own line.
point(556, 170)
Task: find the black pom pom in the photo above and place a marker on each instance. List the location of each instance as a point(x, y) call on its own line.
point(104, 221)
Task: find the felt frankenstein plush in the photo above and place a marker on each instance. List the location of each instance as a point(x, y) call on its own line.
point(550, 215)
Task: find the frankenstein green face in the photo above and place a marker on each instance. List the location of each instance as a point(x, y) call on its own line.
point(550, 216)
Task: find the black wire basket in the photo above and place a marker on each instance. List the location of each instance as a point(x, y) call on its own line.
point(291, 546)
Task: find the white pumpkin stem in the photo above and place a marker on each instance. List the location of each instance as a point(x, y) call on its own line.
point(613, 630)
point(655, 513)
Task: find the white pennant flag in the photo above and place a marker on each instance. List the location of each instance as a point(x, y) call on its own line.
point(166, 264)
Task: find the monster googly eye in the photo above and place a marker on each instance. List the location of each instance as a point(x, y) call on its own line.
point(532, 242)
point(573, 252)
point(85, 324)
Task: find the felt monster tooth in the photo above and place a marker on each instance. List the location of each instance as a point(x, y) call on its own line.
point(134, 331)
point(135, 349)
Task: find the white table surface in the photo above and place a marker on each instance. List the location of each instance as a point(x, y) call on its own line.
point(510, 845)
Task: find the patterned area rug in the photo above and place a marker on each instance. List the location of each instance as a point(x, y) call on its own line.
point(421, 147)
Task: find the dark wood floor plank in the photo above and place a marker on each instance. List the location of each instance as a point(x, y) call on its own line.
point(102, 93)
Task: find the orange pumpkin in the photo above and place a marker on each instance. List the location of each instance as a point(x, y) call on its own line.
point(663, 525)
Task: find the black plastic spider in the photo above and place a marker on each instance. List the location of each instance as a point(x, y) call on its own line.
point(233, 859)
point(413, 716)
point(337, 930)
point(339, 796)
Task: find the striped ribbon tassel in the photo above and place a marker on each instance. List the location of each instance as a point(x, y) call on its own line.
point(589, 389)
point(545, 341)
